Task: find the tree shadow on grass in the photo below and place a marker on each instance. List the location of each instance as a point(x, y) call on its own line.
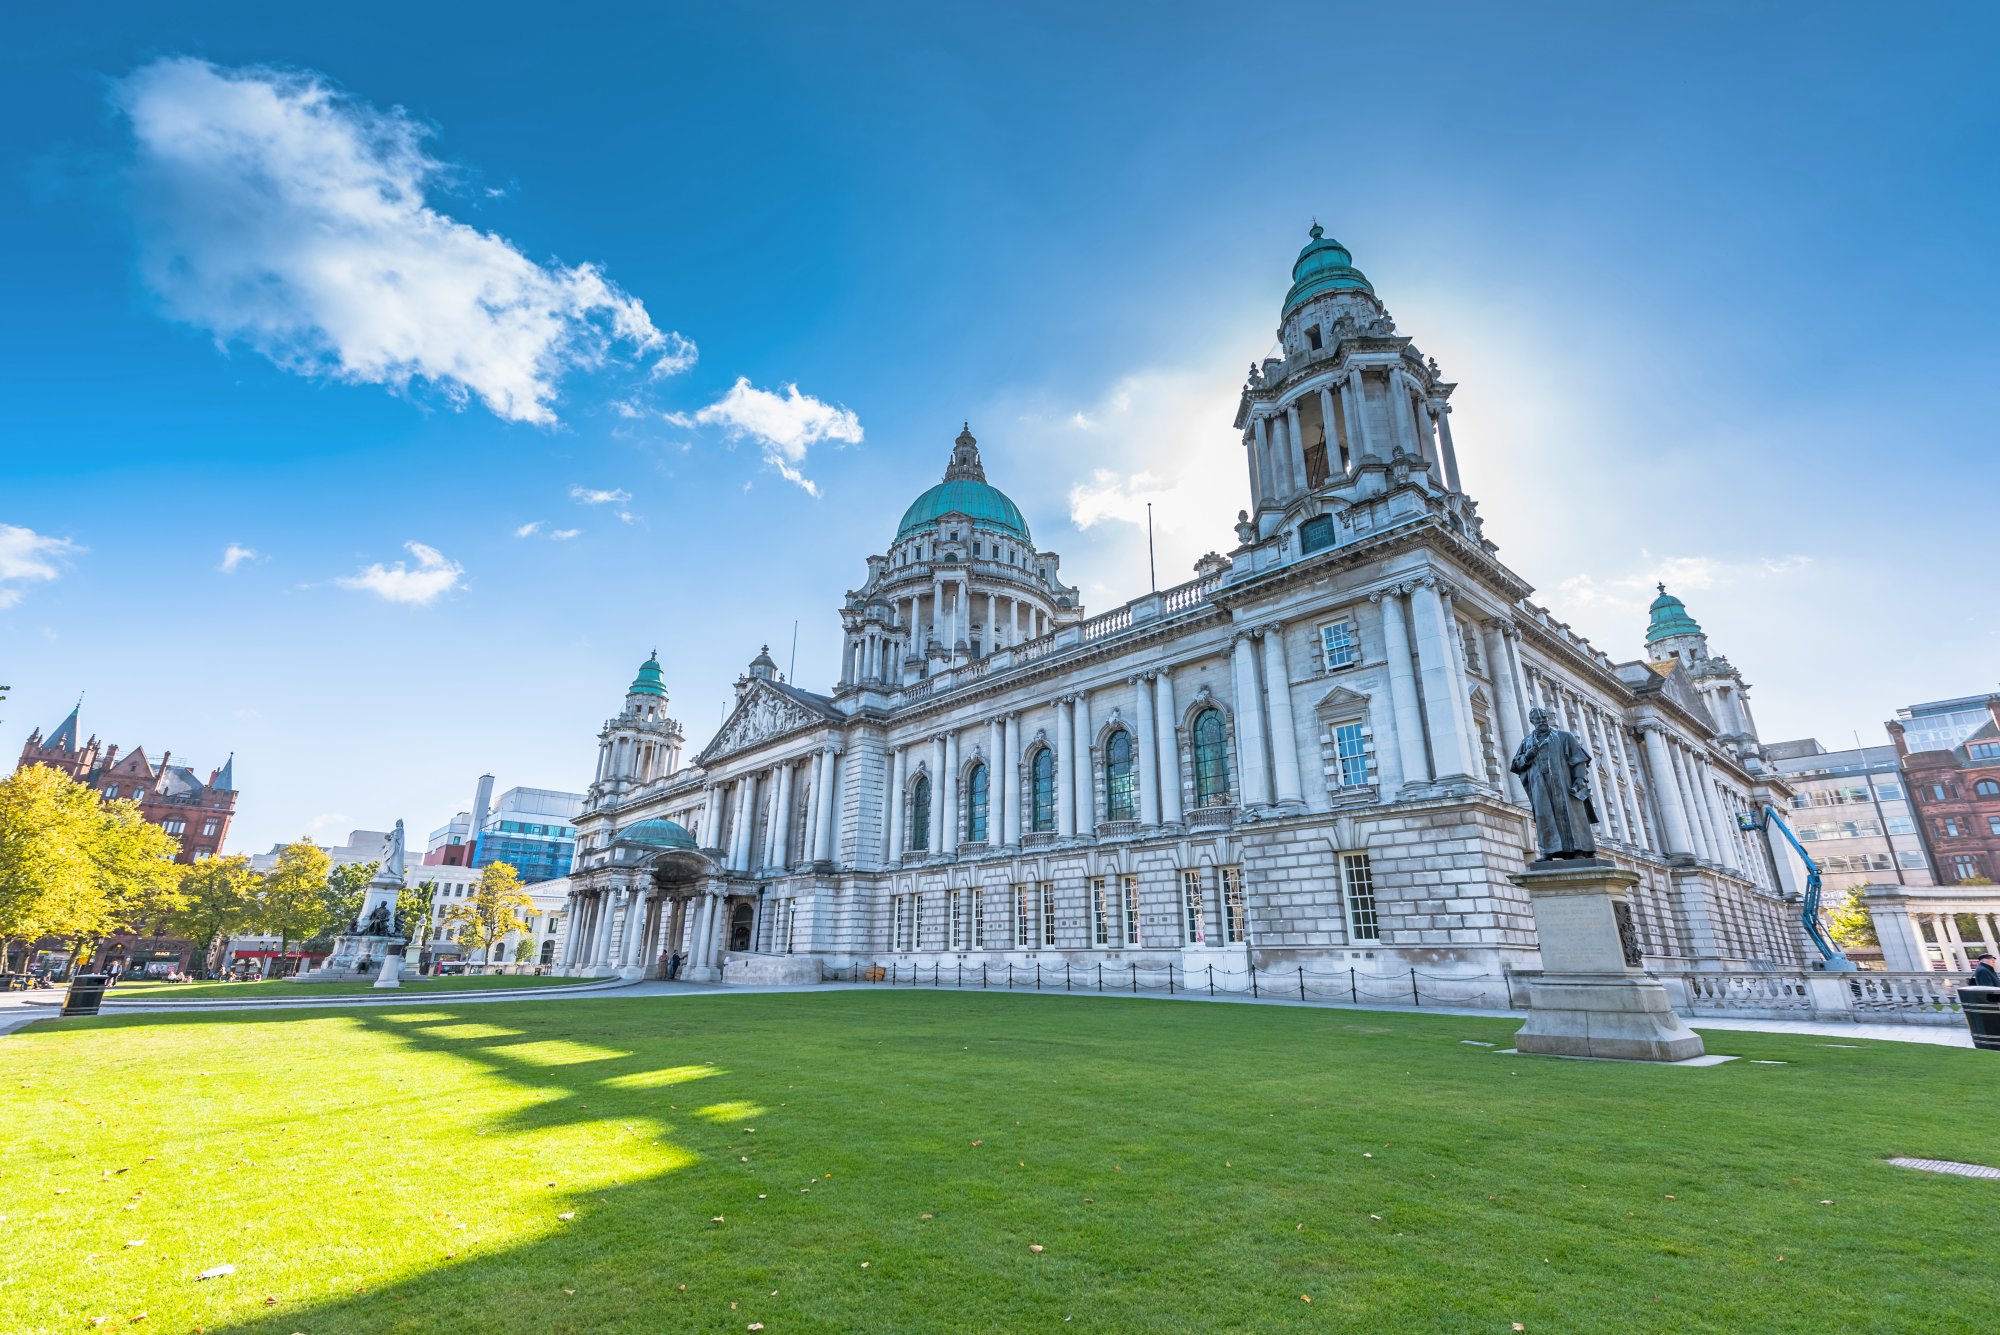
point(628, 1256)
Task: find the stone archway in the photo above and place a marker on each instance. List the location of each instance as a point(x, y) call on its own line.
point(742, 926)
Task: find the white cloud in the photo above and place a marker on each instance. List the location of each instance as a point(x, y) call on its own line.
point(785, 426)
point(1634, 591)
point(563, 534)
point(1109, 496)
point(528, 529)
point(280, 213)
point(234, 555)
point(26, 557)
point(589, 496)
point(431, 578)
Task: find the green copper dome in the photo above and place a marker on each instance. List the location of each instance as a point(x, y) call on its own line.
point(650, 681)
point(980, 502)
point(1324, 266)
point(1670, 617)
point(964, 491)
point(656, 834)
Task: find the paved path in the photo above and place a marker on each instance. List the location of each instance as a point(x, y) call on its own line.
point(22, 1008)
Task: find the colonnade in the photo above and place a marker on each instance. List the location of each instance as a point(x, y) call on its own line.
point(1430, 693)
point(775, 793)
point(628, 925)
point(946, 617)
point(1400, 413)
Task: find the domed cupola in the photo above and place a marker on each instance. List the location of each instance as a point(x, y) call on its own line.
point(965, 491)
point(1669, 618)
point(650, 681)
point(1324, 266)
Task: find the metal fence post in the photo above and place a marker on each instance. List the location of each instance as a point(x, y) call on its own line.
point(1353, 987)
point(1415, 998)
point(1135, 978)
point(1211, 980)
point(1253, 978)
point(1302, 982)
point(1010, 975)
point(1038, 975)
point(1170, 977)
point(1066, 972)
point(1100, 975)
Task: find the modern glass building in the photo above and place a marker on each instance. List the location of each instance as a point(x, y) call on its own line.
point(533, 829)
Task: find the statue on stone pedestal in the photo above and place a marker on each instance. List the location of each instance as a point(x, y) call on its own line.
point(379, 922)
point(392, 858)
point(1555, 772)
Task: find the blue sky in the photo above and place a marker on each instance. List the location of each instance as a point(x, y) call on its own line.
point(1715, 282)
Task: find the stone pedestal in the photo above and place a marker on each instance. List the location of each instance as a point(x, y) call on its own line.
point(1592, 999)
point(392, 970)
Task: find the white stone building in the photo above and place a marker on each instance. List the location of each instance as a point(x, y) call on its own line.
point(1296, 759)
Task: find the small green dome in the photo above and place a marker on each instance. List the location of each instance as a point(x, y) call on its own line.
point(656, 834)
point(1324, 266)
point(1670, 617)
point(650, 681)
point(980, 502)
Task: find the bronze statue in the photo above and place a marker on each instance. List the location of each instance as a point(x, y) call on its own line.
point(1555, 772)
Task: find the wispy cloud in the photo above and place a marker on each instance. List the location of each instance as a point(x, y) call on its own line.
point(533, 527)
point(1634, 590)
point(278, 212)
point(29, 557)
point(563, 534)
point(529, 529)
point(234, 555)
point(592, 496)
point(784, 425)
point(429, 579)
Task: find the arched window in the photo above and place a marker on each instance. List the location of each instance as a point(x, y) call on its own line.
point(1118, 803)
point(975, 805)
point(1042, 792)
point(1211, 758)
point(1986, 788)
point(920, 814)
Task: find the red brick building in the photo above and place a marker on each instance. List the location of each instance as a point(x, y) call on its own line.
point(173, 797)
point(1955, 789)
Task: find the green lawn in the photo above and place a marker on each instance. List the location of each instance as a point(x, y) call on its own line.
point(412, 983)
point(888, 1161)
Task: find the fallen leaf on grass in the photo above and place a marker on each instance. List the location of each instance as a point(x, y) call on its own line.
point(569, 1291)
point(1035, 1247)
point(1826, 1202)
point(864, 1265)
point(135, 1242)
point(716, 1220)
point(1305, 1297)
point(978, 1143)
point(567, 1214)
point(217, 1272)
point(755, 1325)
point(1517, 1326)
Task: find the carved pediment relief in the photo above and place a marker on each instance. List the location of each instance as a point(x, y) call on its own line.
point(1341, 700)
point(761, 715)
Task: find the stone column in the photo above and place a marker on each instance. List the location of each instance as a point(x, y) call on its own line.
point(1666, 789)
point(996, 791)
point(1444, 707)
point(1167, 727)
point(1084, 783)
point(1295, 449)
point(1284, 734)
point(1506, 704)
point(992, 640)
point(1250, 724)
point(1336, 462)
point(829, 815)
point(1902, 940)
point(1250, 460)
point(952, 828)
point(1146, 763)
point(1410, 755)
point(939, 818)
point(1442, 411)
point(1354, 397)
point(1697, 812)
point(1262, 452)
point(635, 930)
point(1635, 817)
point(1010, 779)
point(1954, 944)
point(600, 946)
point(749, 837)
point(817, 807)
point(1065, 739)
point(892, 805)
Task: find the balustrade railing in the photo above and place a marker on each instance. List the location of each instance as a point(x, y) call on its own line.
point(1733, 992)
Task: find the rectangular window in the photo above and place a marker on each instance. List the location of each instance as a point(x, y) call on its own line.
point(1910, 858)
point(208, 828)
point(957, 923)
point(1351, 748)
point(1902, 825)
point(1949, 826)
point(1131, 910)
point(1339, 645)
point(1048, 913)
point(1024, 922)
point(1983, 751)
point(1993, 826)
point(1359, 883)
point(916, 922)
point(979, 920)
point(1235, 924)
point(1193, 929)
point(1937, 792)
point(1101, 913)
point(895, 923)
point(1964, 867)
point(174, 826)
point(1889, 792)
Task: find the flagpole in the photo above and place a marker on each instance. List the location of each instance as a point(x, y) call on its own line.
point(1152, 570)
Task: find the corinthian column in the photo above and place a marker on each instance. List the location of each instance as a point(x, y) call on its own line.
point(1250, 724)
point(1411, 756)
point(1010, 779)
point(1666, 789)
point(1084, 782)
point(1146, 766)
point(1065, 739)
point(1284, 737)
point(1444, 708)
point(1166, 724)
point(892, 806)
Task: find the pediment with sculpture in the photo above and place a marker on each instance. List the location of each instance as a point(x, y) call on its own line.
point(763, 714)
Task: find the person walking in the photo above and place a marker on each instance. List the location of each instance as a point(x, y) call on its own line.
point(1987, 974)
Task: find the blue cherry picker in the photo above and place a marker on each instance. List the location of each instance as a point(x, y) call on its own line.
point(1759, 819)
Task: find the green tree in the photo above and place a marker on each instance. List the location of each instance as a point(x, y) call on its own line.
point(346, 887)
point(524, 950)
point(493, 909)
point(413, 915)
point(75, 867)
point(221, 897)
point(1848, 921)
point(293, 905)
